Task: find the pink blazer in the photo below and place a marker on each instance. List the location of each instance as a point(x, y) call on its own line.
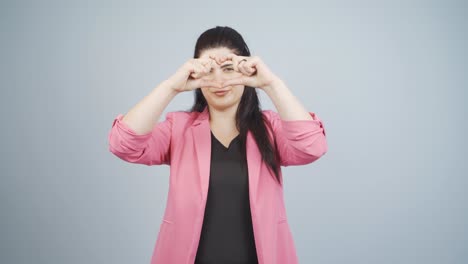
point(183, 141)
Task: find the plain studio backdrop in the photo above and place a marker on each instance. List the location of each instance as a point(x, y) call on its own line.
point(388, 79)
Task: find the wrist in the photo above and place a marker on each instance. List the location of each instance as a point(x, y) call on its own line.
point(273, 84)
point(168, 85)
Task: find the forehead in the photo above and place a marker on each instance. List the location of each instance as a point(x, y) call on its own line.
point(215, 51)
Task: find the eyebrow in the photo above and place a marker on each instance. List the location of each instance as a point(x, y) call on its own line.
point(226, 65)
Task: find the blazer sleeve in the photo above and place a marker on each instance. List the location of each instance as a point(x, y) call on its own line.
point(152, 148)
point(299, 142)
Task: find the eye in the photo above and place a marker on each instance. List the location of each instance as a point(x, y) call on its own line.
point(229, 69)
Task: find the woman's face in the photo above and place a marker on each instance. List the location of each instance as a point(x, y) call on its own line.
point(220, 73)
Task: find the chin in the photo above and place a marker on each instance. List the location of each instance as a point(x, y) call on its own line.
point(223, 105)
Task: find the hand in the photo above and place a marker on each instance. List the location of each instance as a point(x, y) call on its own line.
point(192, 75)
point(255, 72)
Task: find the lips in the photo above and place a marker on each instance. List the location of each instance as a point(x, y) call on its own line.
point(221, 92)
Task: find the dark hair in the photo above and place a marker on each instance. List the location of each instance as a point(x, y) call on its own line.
point(249, 114)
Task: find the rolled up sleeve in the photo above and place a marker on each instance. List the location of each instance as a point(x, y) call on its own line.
point(152, 148)
point(299, 142)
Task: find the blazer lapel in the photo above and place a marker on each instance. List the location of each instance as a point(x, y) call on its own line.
point(202, 136)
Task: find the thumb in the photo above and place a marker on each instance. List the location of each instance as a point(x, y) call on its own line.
point(209, 83)
point(235, 81)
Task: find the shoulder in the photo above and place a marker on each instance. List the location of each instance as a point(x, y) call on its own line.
point(270, 115)
point(180, 114)
point(182, 117)
point(268, 112)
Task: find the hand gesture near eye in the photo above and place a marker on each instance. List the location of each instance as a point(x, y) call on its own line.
point(254, 71)
point(192, 75)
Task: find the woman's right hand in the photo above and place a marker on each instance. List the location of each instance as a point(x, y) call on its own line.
point(193, 75)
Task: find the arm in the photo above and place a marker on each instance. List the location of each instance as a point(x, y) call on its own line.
point(288, 106)
point(300, 135)
point(143, 116)
point(136, 137)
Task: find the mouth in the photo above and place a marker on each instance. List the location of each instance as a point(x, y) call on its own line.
point(221, 92)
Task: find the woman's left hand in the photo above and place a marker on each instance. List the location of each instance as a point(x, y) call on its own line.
point(254, 71)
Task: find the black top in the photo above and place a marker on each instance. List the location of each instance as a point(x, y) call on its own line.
point(227, 232)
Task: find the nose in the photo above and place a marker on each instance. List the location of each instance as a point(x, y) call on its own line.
point(217, 76)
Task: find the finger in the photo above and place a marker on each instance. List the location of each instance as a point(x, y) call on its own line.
point(237, 60)
point(251, 71)
point(192, 71)
point(205, 61)
point(220, 59)
point(242, 68)
point(216, 58)
point(249, 67)
point(235, 81)
point(232, 56)
point(214, 64)
point(199, 83)
point(213, 57)
point(208, 83)
point(197, 71)
point(201, 70)
point(208, 62)
point(253, 64)
point(208, 66)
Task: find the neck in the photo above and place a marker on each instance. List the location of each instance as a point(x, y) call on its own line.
point(224, 117)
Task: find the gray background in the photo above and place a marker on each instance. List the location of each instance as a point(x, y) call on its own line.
point(388, 79)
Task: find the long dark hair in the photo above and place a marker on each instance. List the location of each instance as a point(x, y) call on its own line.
point(249, 114)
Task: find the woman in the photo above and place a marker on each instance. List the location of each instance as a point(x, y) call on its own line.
point(225, 202)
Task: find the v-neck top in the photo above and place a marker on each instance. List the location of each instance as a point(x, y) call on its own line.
point(227, 232)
